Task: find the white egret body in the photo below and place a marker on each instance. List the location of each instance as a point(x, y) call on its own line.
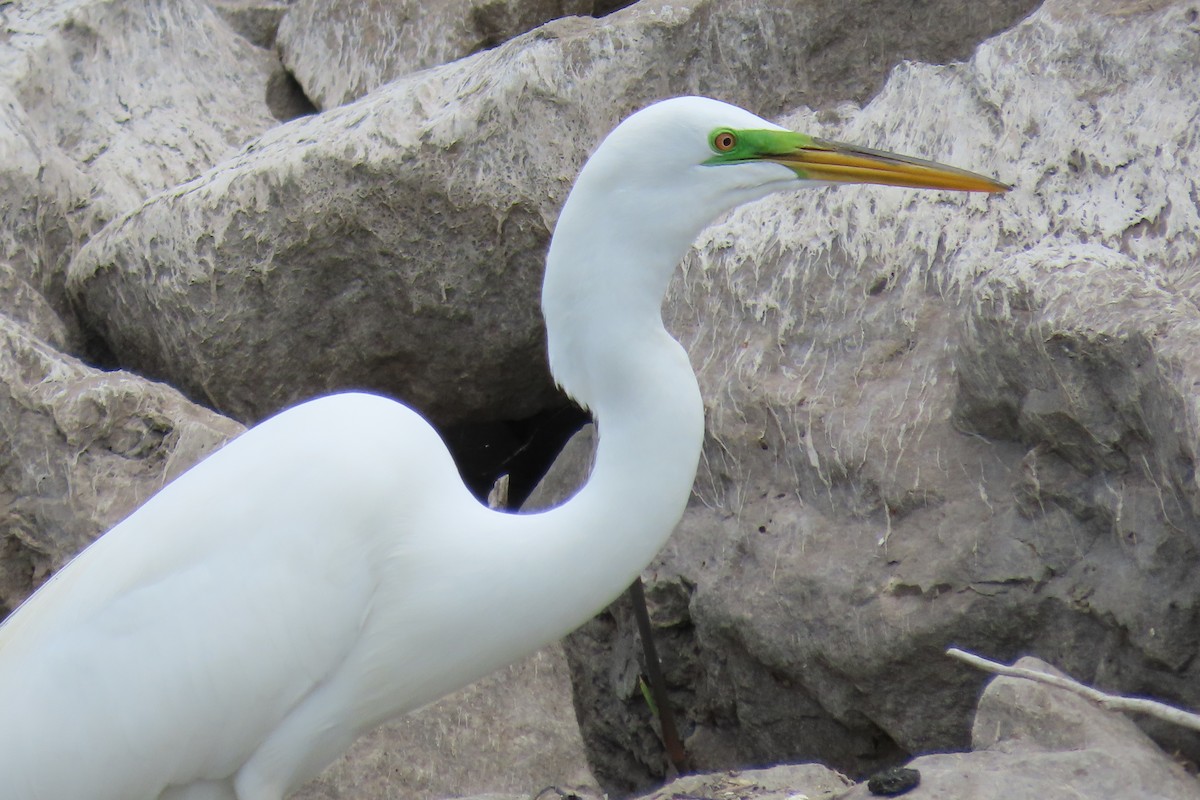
point(328, 570)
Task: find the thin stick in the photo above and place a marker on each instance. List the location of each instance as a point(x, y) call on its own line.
point(658, 684)
point(1134, 705)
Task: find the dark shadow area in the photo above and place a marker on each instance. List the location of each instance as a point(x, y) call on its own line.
point(286, 98)
point(522, 449)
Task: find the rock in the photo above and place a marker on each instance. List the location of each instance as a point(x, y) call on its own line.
point(1029, 740)
point(81, 449)
point(257, 21)
point(157, 92)
point(26, 307)
point(41, 194)
point(397, 244)
point(513, 732)
point(568, 472)
point(784, 782)
point(938, 420)
point(1022, 716)
point(341, 51)
point(1033, 740)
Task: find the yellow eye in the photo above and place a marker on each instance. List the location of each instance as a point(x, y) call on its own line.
point(724, 141)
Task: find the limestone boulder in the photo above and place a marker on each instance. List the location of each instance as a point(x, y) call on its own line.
point(257, 21)
point(1028, 740)
point(783, 782)
point(1033, 740)
point(397, 243)
point(340, 51)
point(938, 420)
point(106, 102)
point(41, 226)
point(25, 306)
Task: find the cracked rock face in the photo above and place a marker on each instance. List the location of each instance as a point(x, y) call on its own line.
point(1028, 740)
point(939, 420)
point(397, 243)
point(156, 92)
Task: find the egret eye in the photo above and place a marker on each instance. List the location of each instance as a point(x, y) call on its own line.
point(724, 141)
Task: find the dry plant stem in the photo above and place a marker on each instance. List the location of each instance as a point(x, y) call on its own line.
point(658, 684)
point(1136, 705)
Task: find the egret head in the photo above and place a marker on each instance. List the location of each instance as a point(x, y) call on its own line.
point(653, 184)
point(705, 157)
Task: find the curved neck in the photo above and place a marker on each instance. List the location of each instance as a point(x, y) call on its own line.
point(606, 273)
point(650, 426)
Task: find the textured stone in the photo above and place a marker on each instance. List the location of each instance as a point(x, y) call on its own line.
point(784, 782)
point(26, 307)
point(1032, 740)
point(41, 194)
point(257, 21)
point(157, 91)
point(341, 50)
point(567, 473)
point(1029, 741)
point(80, 450)
point(397, 243)
point(938, 420)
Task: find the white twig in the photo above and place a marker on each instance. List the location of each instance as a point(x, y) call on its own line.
point(1135, 705)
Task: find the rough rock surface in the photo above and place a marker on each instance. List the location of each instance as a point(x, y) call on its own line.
point(26, 307)
point(397, 243)
point(1028, 741)
point(1032, 740)
point(158, 90)
point(80, 450)
point(938, 420)
point(41, 191)
point(785, 782)
point(340, 51)
point(257, 21)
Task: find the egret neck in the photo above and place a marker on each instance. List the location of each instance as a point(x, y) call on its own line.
point(611, 258)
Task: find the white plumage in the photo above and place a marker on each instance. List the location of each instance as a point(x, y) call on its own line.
point(328, 569)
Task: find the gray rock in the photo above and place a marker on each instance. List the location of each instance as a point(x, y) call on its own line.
point(940, 420)
point(1033, 740)
point(81, 449)
point(341, 50)
point(397, 244)
point(784, 782)
point(257, 21)
point(567, 473)
point(1029, 741)
point(42, 193)
point(317, 260)
point(156, 93)
point(25, 306)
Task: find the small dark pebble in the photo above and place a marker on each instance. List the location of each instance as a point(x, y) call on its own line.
point(894, 781)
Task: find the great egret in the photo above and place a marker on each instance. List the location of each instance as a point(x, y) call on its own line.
point(328, 570)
